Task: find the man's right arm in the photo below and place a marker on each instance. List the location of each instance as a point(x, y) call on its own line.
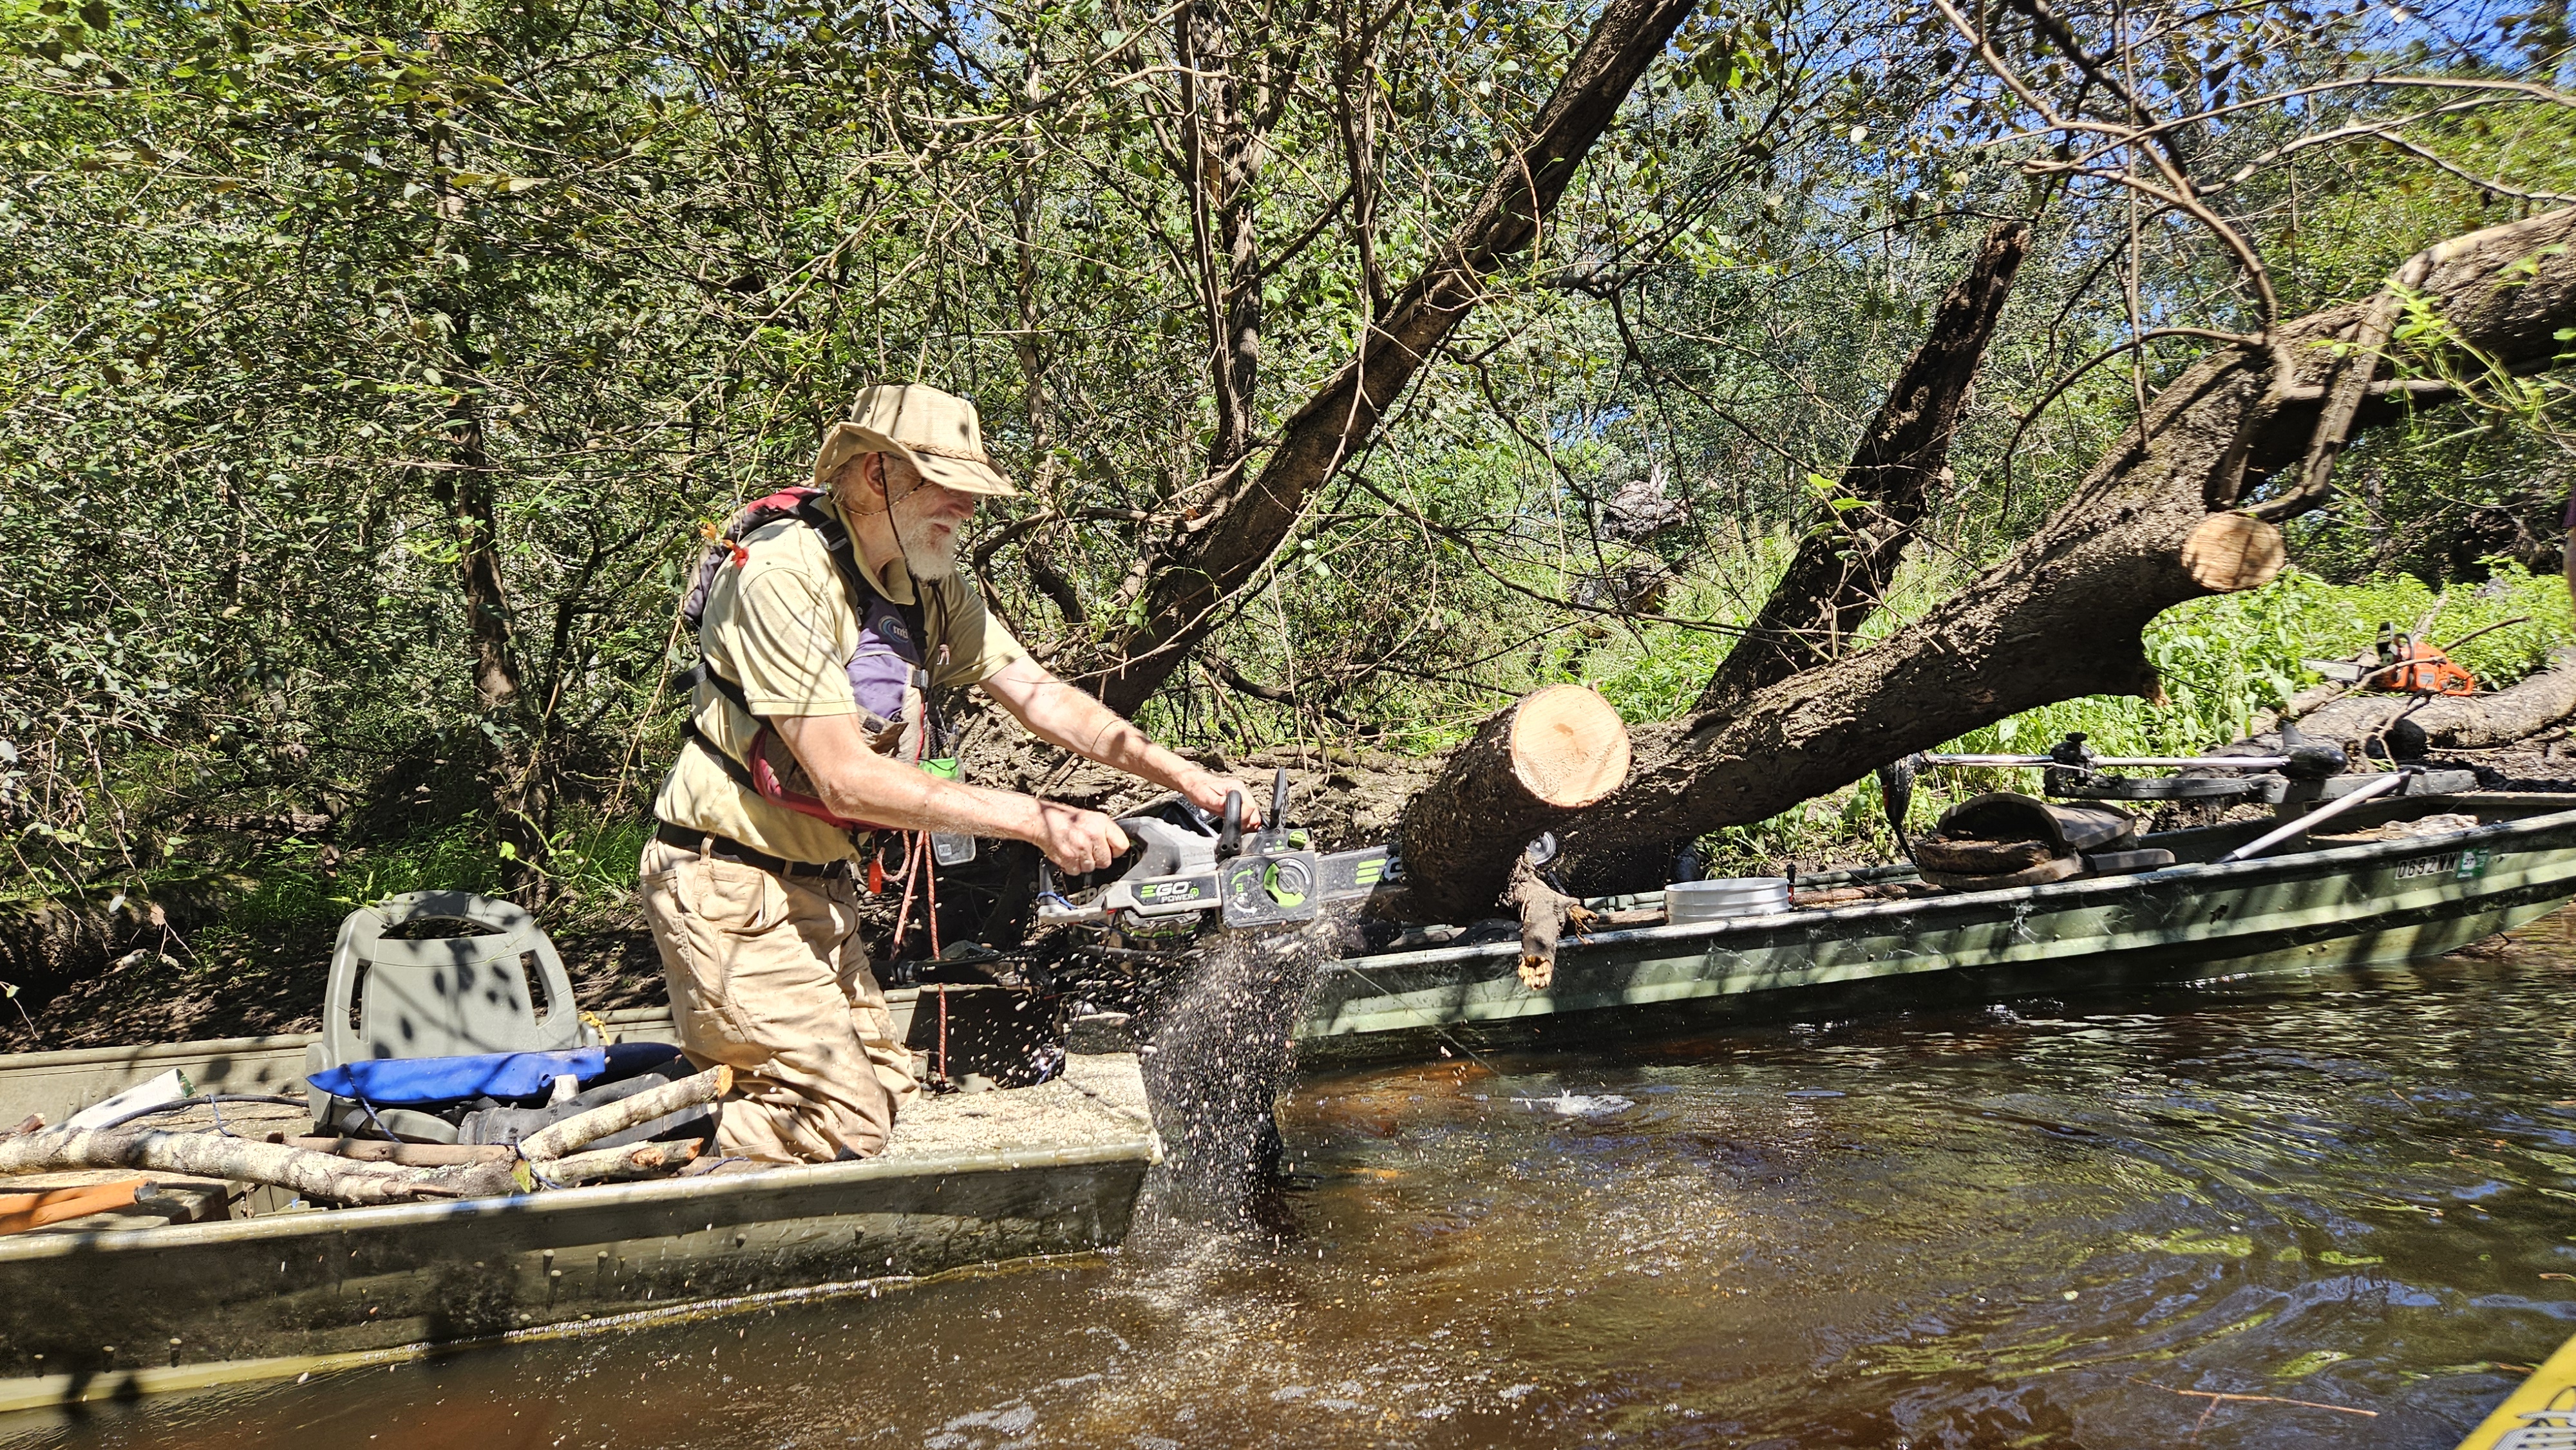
point(860, 785)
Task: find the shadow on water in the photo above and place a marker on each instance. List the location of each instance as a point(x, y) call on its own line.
point(2033, 1223)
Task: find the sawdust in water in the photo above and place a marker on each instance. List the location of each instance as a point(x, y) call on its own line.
point(1218, 1057)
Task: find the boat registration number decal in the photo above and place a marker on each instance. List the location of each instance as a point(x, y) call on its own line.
point(2465, 866)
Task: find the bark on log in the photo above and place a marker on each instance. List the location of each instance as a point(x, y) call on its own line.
point(2403, 727)
point(2060, 617)
point(1543, 911)
point(558, 1139)
point(617, 1165)
point(213, 1155)
point(1843, 568)
point(1527, 769)
point(406, 1155)
point(1227, 541)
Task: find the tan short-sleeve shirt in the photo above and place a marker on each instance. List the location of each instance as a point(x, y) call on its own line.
point(781, 625)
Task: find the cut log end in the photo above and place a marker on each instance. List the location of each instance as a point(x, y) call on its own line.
point(1569, 747)
point(1553, 752)
point(2229, 553)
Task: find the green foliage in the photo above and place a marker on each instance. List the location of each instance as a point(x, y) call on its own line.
point(353, 356)
point(294, 886)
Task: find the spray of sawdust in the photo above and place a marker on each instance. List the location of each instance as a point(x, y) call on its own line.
point(1220, 1055)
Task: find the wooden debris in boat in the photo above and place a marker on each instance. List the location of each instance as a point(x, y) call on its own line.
point(1633, 916)
point(408, 1155)
point(2054, 869)
point(331, 1177)
point(20, 1212)
point(1970, 856)
point(616, 1165)
point(2398, 830)
point(322, 1176)
point(561, 1138)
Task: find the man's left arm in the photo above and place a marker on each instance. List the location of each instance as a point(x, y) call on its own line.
point(1062, 715)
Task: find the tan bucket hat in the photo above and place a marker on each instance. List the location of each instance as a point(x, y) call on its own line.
point(935, 432)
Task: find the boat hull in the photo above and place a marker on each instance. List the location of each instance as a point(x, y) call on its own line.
point(130, 1310)
point(2346, 908)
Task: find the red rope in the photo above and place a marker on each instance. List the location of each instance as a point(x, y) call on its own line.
point(903, 914)
point(930, 891)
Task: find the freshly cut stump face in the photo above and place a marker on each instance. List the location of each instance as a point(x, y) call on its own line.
point(2233, 551)
point(1569, 748)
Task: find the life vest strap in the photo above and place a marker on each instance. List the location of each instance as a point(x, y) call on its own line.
point(688, 680)
point(806, 509)
point(739, 772)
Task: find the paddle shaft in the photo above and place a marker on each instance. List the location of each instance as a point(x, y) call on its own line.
point(2170, 762)
point(2269, 839)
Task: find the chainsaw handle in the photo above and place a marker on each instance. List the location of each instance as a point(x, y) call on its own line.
point(1229, 833)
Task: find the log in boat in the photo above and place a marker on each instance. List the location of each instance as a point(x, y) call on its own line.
point(2443, 871)
point(115, 1306)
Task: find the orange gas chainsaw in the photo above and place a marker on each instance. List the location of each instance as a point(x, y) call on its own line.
point(2401, 665)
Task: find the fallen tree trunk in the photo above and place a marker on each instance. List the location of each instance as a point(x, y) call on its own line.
point(1527, 770)
point(2061, 616)
point(2404, 727)
point(1843, 567)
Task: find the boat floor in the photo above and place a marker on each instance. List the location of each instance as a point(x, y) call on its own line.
point(1092, 1104)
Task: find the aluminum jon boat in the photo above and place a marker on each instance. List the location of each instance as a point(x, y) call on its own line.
point(242, 1297)
point(2401, 879)
point(254, 1288)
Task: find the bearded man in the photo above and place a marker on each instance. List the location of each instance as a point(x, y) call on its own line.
point(821, 636)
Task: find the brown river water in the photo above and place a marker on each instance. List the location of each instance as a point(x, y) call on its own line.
point(2050, 1222)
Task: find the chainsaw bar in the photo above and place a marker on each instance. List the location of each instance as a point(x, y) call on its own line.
point(1278, 888)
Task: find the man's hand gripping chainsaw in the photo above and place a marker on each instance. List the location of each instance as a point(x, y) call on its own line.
point(1190, 865)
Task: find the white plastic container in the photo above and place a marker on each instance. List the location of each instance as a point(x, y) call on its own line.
point(1725, 897)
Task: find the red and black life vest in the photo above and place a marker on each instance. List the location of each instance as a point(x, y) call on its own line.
point(888, 683)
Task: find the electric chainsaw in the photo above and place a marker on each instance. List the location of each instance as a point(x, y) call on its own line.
point(1192, 867)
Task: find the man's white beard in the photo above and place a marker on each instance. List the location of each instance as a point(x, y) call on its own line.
point(928, 555)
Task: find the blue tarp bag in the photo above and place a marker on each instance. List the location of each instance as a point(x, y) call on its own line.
point(410, 1081)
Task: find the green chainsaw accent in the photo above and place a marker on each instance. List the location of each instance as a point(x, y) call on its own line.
point(1284, 895)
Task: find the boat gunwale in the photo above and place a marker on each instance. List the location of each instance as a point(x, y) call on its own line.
point(2055, 893)
point(552, 1204)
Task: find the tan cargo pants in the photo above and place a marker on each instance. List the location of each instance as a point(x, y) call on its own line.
point(768, 976)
